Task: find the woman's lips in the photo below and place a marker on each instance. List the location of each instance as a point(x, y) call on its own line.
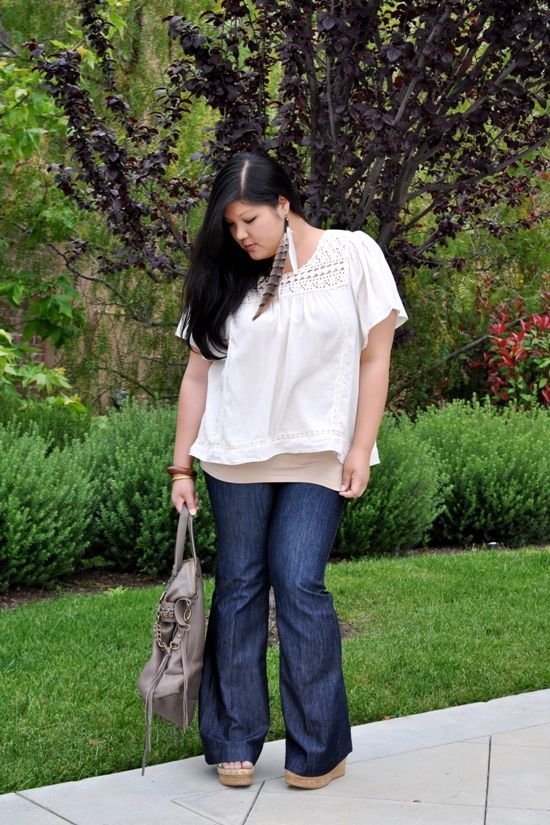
point(249, 247)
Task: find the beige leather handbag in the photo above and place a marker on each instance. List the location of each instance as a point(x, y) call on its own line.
point(169, 683)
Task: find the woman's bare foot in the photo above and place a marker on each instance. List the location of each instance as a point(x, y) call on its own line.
point(236, 774)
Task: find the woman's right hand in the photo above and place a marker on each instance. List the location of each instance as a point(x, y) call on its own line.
point(183, 492)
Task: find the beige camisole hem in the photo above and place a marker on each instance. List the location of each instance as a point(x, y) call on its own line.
point(313, 468)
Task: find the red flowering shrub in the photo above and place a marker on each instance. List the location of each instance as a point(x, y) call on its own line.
point(516, 364)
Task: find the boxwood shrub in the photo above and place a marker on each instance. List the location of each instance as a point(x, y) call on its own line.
point(405, 494)
point(461, 474)
point(58, 424)
point(134, 522)
point(498, 465)
point(44, 509)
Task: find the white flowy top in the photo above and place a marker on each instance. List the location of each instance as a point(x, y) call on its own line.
point(290, 381)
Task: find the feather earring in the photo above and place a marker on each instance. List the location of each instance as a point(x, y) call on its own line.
point(276, 273)
point(291, 248)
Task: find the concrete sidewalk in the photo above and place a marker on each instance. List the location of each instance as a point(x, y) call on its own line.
point(480, 764)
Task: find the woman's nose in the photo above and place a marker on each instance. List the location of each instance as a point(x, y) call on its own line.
point(241, 232)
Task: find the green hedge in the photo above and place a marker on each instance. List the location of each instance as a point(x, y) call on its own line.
point(498, 464)
point(59, 425)
point(460, 474)
point(406, 493)
point(44, 509)
point(133, 525)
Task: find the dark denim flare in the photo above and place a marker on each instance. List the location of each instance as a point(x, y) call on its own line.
point(278, 535)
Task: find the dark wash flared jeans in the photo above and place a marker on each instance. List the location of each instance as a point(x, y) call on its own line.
point(278, 535)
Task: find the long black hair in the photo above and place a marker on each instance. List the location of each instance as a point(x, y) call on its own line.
point(221, 272)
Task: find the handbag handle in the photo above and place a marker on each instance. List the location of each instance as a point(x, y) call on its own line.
point(185, 523)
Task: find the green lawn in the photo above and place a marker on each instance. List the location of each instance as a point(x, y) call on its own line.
point(430, 631)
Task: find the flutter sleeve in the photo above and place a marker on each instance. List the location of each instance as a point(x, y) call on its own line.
point(181, 330)
point(373, 285)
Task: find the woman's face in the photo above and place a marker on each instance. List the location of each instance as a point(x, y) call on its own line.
point(256, 227)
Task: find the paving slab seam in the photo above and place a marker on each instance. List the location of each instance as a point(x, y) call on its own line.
point(431, 738)
point(212, 818)
point(534, 747)
point(44, 808)
point(488, 780)
point(201, 815)
point(260, 789)
point(360, 760)
point(398, 801)
point(501, 807)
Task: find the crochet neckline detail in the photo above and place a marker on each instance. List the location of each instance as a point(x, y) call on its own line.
point(311, 258)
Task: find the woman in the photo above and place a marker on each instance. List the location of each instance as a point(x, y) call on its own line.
point(290, 330)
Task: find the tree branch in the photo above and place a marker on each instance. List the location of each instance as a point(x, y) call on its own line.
point(9, 48)
point(438, 186)
point(102, 282)
point(127, 378)
point(420, 64)
point(369, 193)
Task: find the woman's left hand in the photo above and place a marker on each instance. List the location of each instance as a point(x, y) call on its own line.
point(356, 472)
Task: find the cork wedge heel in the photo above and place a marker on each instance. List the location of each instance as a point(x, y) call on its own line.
point(312, 783)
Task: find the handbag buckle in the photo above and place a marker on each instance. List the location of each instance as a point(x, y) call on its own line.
point(165, 613)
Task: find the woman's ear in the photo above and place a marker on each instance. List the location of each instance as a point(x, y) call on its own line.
point(284, 203)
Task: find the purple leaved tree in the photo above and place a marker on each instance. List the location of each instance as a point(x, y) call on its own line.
point(408, 119)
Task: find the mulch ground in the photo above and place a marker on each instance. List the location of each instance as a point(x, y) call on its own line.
point(95, 581)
